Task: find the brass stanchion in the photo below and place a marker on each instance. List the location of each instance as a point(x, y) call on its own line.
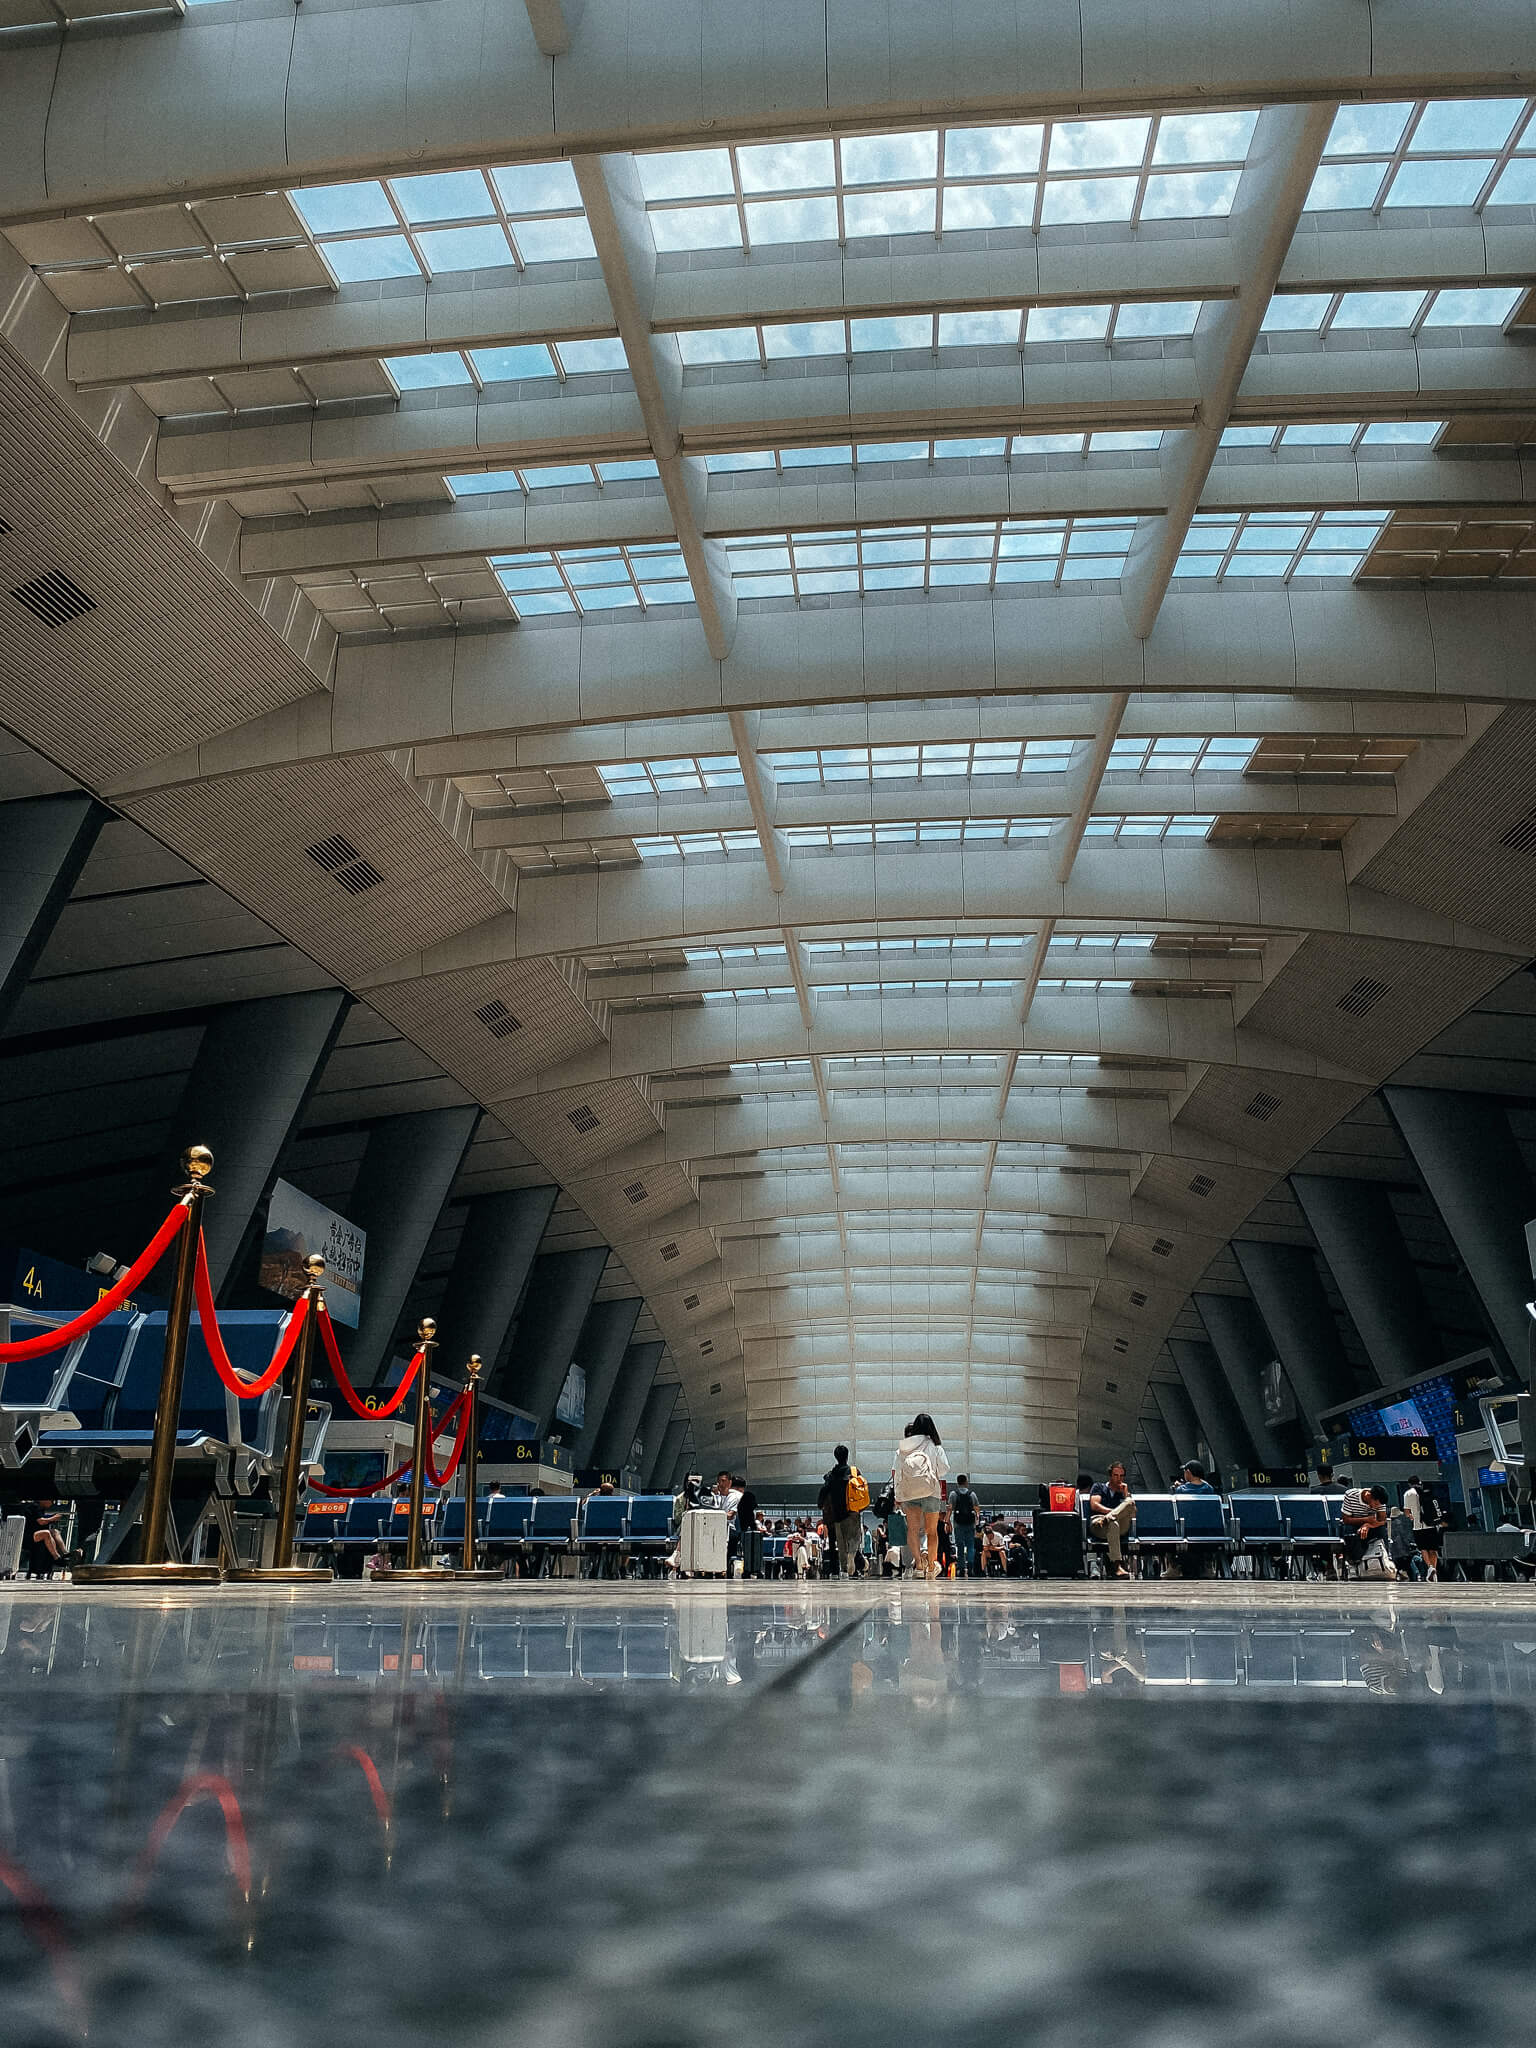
point(413, 1568)
point(467, 1568)
point(152, 1568)
point(282, 1567)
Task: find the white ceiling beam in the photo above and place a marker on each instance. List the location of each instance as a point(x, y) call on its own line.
point(621, 231)
point(757, 780)
point(306, 97)
point(1283, 158)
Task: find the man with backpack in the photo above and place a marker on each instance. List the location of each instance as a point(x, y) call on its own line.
point(964, 1508)
point(843, 1498)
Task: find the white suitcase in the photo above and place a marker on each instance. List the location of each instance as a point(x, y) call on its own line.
point(12, 1530)
point(704, 1540)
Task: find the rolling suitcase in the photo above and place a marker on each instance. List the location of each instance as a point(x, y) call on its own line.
point(12, 1530)
point(1059, 1546)
point(704, 1541)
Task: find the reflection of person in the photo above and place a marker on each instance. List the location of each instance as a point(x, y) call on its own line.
point(965, 1507)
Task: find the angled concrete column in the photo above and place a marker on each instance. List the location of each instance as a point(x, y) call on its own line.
point(1221, 1421)
point(1242, 1348)
point(1285, 1284)
point(682, 1466)
point(1178, 1413)
point(495, 1257)
point(1477, 1179)
point(252, 1077)
point(44, 843)
point(560, 1291)
point(621, 1424)
point(655, 1416)
point(600, 1348)
point(1373, 1269)
point(669, 1456)
point(402, 1184)
point(1160, 1442)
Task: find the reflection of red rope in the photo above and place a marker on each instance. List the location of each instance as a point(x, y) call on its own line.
point(41, 1919)
point(202, 1785)
point(361, 1492)
point(137, 1274)
point(371, 1779)
point(247, 1388)
point(339, 1371)
point(457, 1411)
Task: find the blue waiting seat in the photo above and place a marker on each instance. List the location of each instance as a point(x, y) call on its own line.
point(552, 1525)
point(1314, 1524)
point(507, 1518)
point(605, 1521)
point(369, 1520)
point(1203, 1522)
point(652, 1524)
point(1261, 1525)
point(323, 1523)
point(1157, 1523)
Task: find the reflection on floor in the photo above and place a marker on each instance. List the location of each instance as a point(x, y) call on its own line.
point(642, 1815)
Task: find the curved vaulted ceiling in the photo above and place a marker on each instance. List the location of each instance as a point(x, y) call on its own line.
point(905, 640)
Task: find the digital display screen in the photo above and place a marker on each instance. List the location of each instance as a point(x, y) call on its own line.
point(1402, 1418)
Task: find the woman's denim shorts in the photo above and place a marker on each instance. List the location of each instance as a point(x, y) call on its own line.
point(932, 1505)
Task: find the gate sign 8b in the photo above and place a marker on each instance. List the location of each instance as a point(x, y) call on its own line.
point(1401, 1449)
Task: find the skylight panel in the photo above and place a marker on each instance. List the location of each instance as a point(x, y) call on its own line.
point(428, 372)
point(343, 209)
point(538, 188)
point(504, 365)
point(484, 483)
point(686, 174)
point(1155, 317)
point(697, 845)
point(805, 338)
point(1425, 154)
point(1402, 431)
point(1149, 827)
point(890, 159)
point(1296, 312)
point(1190, 195)
point(1204, 138)
point(997, 327)
point(891, 213)
point(1167, 754)
point(603, 352)
point(696, 227)
point(442, 196)
point(792, 220)
point(1096, 145)
point(1068, 201)
point(718, 345)
point(596, 579)
point(1279, 545)
point(786, 166)
point(691, 773)
point(992, 152)
point(1378, 309)
point(1477, 307)
point(1067, 323)
point(371, 259)
point(948, 832)
point(476, 248)
point(554, 241)
point(988, 206)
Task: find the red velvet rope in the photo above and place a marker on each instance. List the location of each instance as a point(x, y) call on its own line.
point(247, 1386)
point(137, 1274)
point(458, 1409)
point(361, 1492)
point(349, 1392)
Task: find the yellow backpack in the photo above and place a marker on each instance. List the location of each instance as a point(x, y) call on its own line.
point(858, 1492)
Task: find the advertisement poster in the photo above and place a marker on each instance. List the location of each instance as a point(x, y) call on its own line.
point(298, 1225)
point(571, 1408)
point(1279, 1401)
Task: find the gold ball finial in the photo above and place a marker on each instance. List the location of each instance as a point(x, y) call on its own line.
point(426, 1329)
point(197, 1162)
point(314, 1266)
point(475, 1365)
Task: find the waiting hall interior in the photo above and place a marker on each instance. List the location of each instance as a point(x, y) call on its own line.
point(767, 1022)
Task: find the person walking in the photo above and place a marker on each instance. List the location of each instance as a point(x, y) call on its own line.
point(964, 1508)
point(842, 1512)
point(1424, 1513)
point(749, 1529)
point(917, 1478)
point(1111, 1511)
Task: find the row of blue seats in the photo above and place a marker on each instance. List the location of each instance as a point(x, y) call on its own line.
point(1278, 1523)
point(638, 1522)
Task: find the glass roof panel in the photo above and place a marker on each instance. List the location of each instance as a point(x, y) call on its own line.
point(376, 257)
point(442, 196)
point(786, 166)
point(1096, 145)
point(538, 188)
point(890, 159)
point(338, 209)
point(685, 174)
point(992, 152)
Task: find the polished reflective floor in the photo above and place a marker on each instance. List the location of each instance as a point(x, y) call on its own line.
point(631, 1815)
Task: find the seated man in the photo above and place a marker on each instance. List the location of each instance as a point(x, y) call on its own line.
point(1111, 1511)
point(1194, 1479)
point(1194, 1562)
point(1363, 1519)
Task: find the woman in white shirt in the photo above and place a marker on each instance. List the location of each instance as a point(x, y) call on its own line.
point(917, 1478)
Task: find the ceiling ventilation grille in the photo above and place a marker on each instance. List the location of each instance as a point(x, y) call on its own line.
point(690, 1301)
point(53, 598)
point(582, 1119)
point(4, 529)
point(1365, 995)
point(1201, 1185)
point(718, 1427)
point(714, 1386)
point(1162, 1247)
point(706, 1347)
point(1111, 1386)
point(498, 1019)
point(636, 1192)
point(1122, 1343)
point(342, 861)
point(1263, 1106)
point(1521, 836)
point(1103, 1424)
point(669, 1252)
point(1138, 1299)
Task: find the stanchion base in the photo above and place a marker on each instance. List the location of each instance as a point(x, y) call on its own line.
point(425, 1571)
point(146, 1575)
point(280, 1574)
point(482, 1572)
